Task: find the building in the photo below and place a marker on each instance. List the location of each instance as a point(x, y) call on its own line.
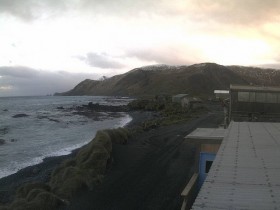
point(207, 142)
point(182, 99)
point(221, 94)
point(245, 173)
point(252, 103)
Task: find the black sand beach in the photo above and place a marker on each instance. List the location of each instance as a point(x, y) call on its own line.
point(147, 173)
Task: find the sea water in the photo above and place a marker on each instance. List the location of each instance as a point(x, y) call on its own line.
point(48, 129)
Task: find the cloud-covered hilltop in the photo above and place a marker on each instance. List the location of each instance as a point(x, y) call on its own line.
point(198, 79)
point(24, 81)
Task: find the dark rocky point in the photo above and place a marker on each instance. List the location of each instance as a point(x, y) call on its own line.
point(13, 140)
point(2, 141)
point(20, 115)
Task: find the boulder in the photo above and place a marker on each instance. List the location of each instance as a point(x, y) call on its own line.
point(2, 141)
point(20, 115)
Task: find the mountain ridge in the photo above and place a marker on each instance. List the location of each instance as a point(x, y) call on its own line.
point(198, 79)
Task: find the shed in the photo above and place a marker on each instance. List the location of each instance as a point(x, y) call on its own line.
point(181, 99)
point(207, 142)
point(254, 103)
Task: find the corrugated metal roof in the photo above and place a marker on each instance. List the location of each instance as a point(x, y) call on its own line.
point(255, 88)
point(246, 171)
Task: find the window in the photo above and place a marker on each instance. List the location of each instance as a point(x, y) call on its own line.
point(243, 96)
point(252, 97)
point(208, 166)
point(271, 97)
point(260, 97)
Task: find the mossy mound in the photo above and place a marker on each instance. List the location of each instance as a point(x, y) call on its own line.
point(82, 172)
point(85, 170)
point(119, 135)
point(89, 165)
point(72, 179)
point(36, 199)
point(24, 190)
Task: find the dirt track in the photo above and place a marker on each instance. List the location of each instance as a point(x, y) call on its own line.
point(148, 173)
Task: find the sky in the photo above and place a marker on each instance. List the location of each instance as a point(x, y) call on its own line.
point(49, 46)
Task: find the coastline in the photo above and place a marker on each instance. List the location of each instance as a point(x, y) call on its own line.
point(41, 172)
point(150, 170)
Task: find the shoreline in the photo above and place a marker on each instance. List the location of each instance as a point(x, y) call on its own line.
point(41, 172)
point(150, 170)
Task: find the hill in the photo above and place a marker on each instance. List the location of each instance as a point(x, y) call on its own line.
point(199, 79)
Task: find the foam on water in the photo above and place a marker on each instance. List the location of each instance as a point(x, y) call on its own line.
point(38, 138)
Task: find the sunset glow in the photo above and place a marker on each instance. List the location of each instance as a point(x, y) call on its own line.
point(96, 38)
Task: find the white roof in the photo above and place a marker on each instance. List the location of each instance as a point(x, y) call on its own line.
point(207, 133)
point(246, 170)
point(222, 91)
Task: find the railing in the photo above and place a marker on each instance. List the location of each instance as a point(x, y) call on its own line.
point(189, 193)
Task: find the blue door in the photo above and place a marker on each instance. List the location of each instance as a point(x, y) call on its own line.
point(205, 162)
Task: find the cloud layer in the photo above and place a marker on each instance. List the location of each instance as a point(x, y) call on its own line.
point(18, 81)
point(101, 60)
point(249, 12)
point(109, 37)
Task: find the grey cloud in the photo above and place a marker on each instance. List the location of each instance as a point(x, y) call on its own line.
point(18, 72)
point(102, 60)
point(249, 12)
point(33, 9)
point(23, 81)
point(234, 11)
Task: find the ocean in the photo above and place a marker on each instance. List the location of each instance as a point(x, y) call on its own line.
point(48, 127)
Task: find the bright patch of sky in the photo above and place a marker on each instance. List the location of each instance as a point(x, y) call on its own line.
point(92, 38)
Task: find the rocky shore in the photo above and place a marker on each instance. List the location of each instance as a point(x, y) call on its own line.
point(148, 172)
point(42, 172)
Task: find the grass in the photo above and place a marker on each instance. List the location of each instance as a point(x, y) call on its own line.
point(169, 112)
point(87, 168)
point(81, 172)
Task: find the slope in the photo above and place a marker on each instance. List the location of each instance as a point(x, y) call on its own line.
point(198, 79)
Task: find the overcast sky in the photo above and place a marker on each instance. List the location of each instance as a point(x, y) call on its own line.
point(51, 45)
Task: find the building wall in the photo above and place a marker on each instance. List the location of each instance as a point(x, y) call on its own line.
point(205, 161)
point(210, 148)
point(252, 102)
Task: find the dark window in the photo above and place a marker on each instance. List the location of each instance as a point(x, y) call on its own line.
point(208, 166)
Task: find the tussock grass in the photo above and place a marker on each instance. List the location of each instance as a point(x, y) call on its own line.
point(81, 172)
point(24, 190)
point(72, 179)
point(37, 199)
point(119, 135)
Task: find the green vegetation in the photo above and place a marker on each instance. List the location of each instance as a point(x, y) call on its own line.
point(169, 112)
point(82, 172)
point(87, 168)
